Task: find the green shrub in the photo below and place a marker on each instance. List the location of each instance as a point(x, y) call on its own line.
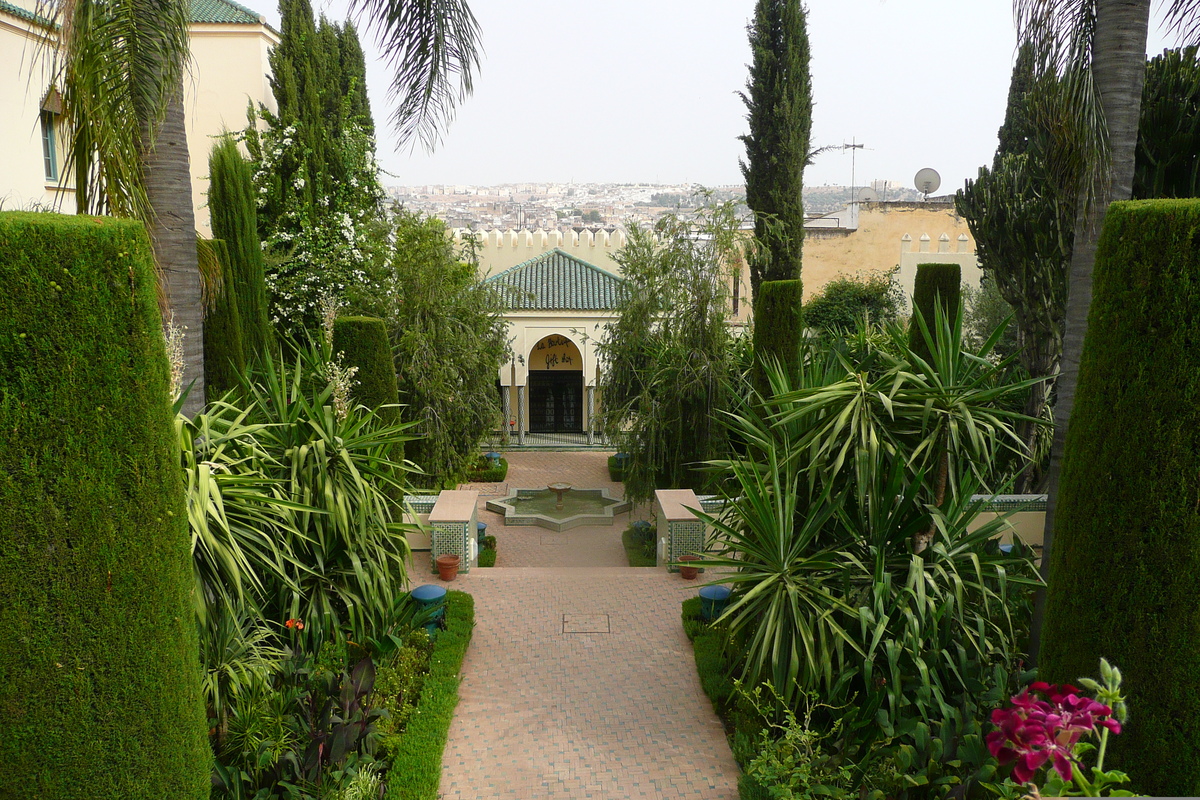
point(639, 551)
point(1126, 547)
point(935, 285)
point(363, 343)
point(235, 221)
point(482, 471)
point(778, 326)
point(99, 674)
point(844, 301)
point(400, 680)
point(344, 563)
point(417, 754)
point(616, 473)
point(487, 558)
point(224, 350)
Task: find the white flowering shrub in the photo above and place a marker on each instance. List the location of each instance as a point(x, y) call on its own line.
point(314, 212)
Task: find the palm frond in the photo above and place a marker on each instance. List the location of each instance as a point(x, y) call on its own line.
point(1183, 18)
point(433, 47)
point(116, 63)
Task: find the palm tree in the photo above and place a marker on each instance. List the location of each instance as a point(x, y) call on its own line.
point(120, 67)
point(1100, 46)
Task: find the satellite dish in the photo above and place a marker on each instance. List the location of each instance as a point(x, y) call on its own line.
point(868, 195)
point(927, 180)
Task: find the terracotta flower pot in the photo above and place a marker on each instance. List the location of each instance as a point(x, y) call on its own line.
point(447, 567)
point(688, 573)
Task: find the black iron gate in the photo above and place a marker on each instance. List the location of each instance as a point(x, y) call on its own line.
point(555, 401)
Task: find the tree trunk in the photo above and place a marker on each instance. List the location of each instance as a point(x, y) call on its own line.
point(1040, 357)
point(168, 180)
point(1118, 70)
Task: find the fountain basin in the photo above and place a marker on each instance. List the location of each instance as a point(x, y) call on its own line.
point(537, 507)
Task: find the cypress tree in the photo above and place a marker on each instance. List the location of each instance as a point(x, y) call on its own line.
point(778, 100)
point(224, 350)
point(363, 342)
point(317, 185)
point(936, 285)
point(1018, 132)
point(777, 329)
point(1126, 552)
point(354, 79)
point(235, 221)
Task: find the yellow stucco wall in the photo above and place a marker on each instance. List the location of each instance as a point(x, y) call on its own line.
point(229, 70)
point(24, 79)
point(875, 246)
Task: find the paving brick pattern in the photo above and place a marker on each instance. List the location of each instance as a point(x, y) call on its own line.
point(579, 681)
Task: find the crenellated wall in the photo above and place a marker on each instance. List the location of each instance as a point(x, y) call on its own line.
point(499, 250)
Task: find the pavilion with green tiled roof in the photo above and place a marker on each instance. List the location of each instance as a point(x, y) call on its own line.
point(558, 306)
point(559, 281)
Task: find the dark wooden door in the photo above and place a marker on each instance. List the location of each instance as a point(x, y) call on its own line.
point(555, 401)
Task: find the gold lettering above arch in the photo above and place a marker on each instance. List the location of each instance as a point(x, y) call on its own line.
point(555, 352)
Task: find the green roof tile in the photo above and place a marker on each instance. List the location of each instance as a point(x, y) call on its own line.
point(558, 281)
point(223, 12)
point(22, 13)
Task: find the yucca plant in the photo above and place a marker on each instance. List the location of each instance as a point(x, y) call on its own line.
point(835, 591)
point(348, 547)
point(240, 518)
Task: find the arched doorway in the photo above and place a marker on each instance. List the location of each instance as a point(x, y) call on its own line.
point(555, 386)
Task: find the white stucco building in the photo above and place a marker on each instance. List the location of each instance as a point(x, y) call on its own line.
point(228, 71)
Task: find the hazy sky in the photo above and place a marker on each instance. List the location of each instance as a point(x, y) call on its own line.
point(646, 90)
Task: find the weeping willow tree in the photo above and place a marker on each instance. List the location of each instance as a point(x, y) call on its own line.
point(669, 356)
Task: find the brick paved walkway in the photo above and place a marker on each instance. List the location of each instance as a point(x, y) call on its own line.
point(579, 681)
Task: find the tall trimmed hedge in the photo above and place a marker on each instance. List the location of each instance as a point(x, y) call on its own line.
point(364, 343)
point(224, 350)
point(99, 666)
point(1125, 561)
point(778, 326)
point(935, 284)
point(235, 221)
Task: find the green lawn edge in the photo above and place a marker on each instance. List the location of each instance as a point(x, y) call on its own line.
point(416, 771)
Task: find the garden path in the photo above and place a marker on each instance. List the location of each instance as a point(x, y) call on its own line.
point(579, 682)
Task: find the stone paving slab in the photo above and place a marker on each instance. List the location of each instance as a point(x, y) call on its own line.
point(551, 710)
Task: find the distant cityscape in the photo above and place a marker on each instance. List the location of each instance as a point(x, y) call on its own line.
point(551, 206)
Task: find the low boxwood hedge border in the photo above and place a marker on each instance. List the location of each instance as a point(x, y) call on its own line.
point(616, 473)
point(417, 760)
point(711, 650)
point(488, 474)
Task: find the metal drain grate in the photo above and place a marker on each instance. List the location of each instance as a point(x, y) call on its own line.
point(586, 623)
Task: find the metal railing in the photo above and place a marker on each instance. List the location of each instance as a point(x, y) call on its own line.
point(558, 439)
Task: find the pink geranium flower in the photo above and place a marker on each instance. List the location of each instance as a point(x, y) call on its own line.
point(1036, 729)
